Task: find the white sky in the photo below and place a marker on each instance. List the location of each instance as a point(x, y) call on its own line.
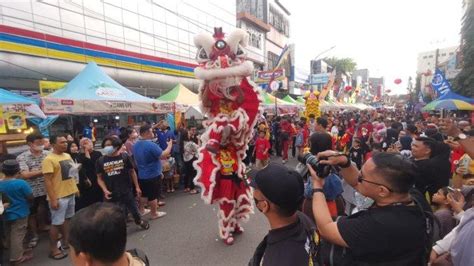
point(384, 36)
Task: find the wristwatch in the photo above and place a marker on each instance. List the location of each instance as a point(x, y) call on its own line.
point(461, 136)
point(316, 190)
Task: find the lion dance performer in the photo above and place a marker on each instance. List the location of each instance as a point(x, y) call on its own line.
point(231, 104)
point(312, 103)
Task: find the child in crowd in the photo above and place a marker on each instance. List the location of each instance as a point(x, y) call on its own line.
point(443, 212)
point(19, 194)
point(189, 156)
point(299, 139)
point(262, 146)
point(356, 153)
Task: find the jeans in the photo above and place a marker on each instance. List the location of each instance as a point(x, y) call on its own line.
point(189, 174)
point(128, 204)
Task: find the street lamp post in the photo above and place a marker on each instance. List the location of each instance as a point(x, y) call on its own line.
point(314, 60)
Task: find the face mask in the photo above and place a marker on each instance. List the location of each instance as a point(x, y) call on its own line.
point(38, 148)
point(108, 150)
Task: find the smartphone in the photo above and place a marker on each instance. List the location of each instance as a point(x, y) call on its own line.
point(465, 162)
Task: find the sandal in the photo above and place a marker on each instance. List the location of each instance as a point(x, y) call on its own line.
point(23, 258)
point(57, 256)
point(33, 242)
point(193, 191)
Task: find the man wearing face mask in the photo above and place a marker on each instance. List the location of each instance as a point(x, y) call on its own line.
point(278, 194)
point(115, 174)
point(30, 166)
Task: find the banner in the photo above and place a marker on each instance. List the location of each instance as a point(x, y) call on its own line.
point(16, 120)
point(48, 87)
point(3, 128)
point(266, 76)
point(440, 84)
point(77, 107)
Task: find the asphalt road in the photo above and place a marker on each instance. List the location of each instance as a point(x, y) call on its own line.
point(186, 236)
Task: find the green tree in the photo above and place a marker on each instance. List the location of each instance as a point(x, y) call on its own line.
point(464, 82)
point(346, 65)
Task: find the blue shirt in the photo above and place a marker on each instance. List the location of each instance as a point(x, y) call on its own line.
point(163, 138)
point(147, 156)
point(87, 132)
point(17, 191)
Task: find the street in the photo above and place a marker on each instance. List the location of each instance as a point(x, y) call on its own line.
point(186, 236)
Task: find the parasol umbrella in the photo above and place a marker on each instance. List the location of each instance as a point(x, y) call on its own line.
point(448, 104)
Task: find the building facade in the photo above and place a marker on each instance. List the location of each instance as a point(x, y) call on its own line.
point(429, 60)
point(146, 45)
point(251, 16)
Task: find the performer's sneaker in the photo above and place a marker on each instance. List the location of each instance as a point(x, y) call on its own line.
point(238, 230)
point(229, 241)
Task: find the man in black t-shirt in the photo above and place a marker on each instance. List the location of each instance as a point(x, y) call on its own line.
point(393, 230)
point(115, 173)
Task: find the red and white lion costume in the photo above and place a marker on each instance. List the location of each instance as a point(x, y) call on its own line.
point(231, 104)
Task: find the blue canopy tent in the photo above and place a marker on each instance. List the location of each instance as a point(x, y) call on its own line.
point(93, 92)
point(30, 105)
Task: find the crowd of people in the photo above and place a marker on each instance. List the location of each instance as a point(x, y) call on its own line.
point(371, 188)
point(44, 186)
point(382, 188)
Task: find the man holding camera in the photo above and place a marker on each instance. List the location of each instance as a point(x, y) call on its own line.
point(392, 231)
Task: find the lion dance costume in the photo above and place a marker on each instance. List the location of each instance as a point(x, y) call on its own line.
point(231, 104)
point(312, 104)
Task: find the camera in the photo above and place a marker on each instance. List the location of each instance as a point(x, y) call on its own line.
point(322, 170)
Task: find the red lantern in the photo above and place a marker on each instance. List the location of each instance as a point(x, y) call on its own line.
point(398, 81)
point(348, 88)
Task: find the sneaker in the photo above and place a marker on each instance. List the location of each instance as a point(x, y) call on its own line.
point(283, 161)
point(159, 215)
point(147, 211)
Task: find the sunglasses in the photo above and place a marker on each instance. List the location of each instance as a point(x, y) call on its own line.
point(361, 179)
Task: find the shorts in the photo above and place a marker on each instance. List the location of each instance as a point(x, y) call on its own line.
point(41, 200)
point(65, 210)
point(150, 188)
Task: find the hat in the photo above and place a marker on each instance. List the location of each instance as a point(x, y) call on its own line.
point(10, 166)
point(280, 185)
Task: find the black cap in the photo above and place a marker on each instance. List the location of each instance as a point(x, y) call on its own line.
point(10, 166)
point(280, 185)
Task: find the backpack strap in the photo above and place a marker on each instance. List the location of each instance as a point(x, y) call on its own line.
point(429, 220)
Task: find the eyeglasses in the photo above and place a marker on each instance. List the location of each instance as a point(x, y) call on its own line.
point(361, 179)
